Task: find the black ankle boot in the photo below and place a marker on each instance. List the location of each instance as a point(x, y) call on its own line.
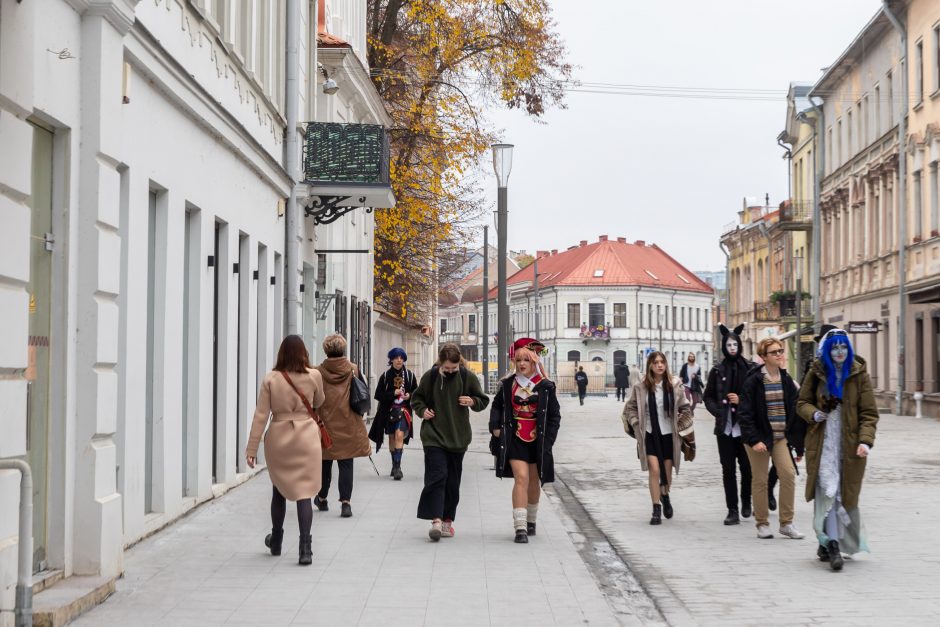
point(667, 506)
point(822, 553)
point(321, 504)
point(656, 518)
point(396, 472)
point(306, 551)
point(521, 536)
point(530, 528)
point(746, 510)
point(835, 555)
point(274, 540)
point(732, 518)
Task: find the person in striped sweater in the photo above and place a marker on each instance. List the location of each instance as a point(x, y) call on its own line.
point(766, 414)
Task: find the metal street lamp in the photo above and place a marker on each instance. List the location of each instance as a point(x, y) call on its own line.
point(798, 272)
point(502, 166)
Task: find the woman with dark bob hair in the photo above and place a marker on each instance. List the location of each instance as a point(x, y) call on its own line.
point(292, 442)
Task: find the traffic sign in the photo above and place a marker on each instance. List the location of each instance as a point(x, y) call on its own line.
point(871, 326)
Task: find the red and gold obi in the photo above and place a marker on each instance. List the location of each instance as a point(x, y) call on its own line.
point(525, 403)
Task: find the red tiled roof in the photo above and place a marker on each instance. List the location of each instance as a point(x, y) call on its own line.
point(622, 263)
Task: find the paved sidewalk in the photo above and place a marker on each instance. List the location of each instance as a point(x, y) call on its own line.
point(377, 568)
point(701, 572)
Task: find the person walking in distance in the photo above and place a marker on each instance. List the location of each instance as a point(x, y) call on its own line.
point(659, 416)
point(691, 375)
point(393, 416)
point(581, 380)
point(525, 417)
point(622, 380)
point(289, 395)
point(767, 415)
point(837, 401)
point(722, 397)
point(445, 395)
point(346, 427)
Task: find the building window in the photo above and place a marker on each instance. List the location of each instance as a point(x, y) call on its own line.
point(919, 71)
point(936, 58)
point(649, 316)
point(574, 315)
point(595, 314)
point(849, 138)
point(918, 205)
point(472, 323)
point(934, 200)
point(443, 326)
point(640, 319)
point(574, 355)
point(889, 81)
point(877, 120)
point(620, 315)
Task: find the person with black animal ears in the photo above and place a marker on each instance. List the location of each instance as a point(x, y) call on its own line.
point(524, 418)
point(393, 416)
point(722, 396)
point(446, 394)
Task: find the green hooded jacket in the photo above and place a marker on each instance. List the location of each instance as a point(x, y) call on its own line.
point(450, 427)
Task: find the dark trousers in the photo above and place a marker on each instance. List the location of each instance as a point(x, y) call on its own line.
point(442, 471)
point(730, 450)
point(621, 393)
point(581, 393)
point(345, 478)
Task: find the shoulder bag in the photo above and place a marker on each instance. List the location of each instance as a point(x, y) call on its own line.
point(359, 400)
point(325, 440)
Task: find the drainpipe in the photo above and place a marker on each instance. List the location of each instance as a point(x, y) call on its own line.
point(902, 206)
point(291, 150)
point(820, 162)
point(24, 574)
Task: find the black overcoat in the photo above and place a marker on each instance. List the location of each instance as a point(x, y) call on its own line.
point(548, 421)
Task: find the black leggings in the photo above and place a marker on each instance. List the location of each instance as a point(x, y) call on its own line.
point(279, 510)
point(345, 478)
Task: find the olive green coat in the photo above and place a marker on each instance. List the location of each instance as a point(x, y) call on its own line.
point(859, 423)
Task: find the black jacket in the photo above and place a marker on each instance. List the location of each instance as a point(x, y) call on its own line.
point(548, 421)
point(582, 380)
point(726, 377)
point(385, 395)
point(622, 375)
point(752, 413)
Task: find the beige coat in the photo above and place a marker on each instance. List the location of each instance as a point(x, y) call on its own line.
point(635, 415)
point(346, 427)
point(292, 442)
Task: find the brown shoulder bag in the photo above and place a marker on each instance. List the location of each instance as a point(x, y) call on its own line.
point(325, 440)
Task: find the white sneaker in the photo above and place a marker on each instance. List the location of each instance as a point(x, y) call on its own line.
point(447, 530)
point(435, 532)
point(791, 532)
point(763, 532)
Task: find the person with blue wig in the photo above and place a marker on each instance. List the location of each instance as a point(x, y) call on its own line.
point(837, 401)
point(393, 416)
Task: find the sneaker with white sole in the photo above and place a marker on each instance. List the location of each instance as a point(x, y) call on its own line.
point(791, 532)
point(435, 532)
point(763, 532)
point(447, 529)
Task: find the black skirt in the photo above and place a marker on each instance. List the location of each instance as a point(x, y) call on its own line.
point(522, 451)
point(659, 447)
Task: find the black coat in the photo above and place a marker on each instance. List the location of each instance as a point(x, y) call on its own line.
point(622, 375)
point(725, 377)
point(385, 395)
point(548, 420)
point(582, 380)
point(752, 413)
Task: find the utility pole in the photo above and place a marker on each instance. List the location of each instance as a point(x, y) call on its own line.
point(502, 166)
point(486, 308)
point(535, 265)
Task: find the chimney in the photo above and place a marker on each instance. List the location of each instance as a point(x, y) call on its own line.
point(584, 242)
point(321, 16)
point(572, 247)
point(640, 242)
point(554, 251)
point(540, 253)
point(602, 238)
point(621, 240)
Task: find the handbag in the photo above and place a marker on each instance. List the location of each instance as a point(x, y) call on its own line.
point(325, 440)
point(688, 450)
point(359, 399)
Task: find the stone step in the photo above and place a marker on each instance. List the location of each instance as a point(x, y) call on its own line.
point(62, 602)
point(45, 579)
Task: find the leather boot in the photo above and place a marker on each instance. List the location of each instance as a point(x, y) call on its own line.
point(822, 553)
point(835, 555)
point(306, 551)
point(732, 518)
point(274, 540)
point(521, 536)
point(667, 506)
point(656, 518)
point(396, 472)
point(530, 528)
point(746, 510)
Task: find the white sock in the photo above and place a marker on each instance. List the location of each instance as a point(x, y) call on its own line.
point(531, 512)
point(518, 518)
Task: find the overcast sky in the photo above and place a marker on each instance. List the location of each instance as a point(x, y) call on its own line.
point(667, 170)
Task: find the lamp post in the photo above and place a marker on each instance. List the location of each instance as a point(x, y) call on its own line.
point(502, 166)
point(486, 309)
point(798, 271)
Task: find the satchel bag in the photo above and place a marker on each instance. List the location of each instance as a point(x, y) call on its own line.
point(325, 440)
point(688, 450)
point(359, 399)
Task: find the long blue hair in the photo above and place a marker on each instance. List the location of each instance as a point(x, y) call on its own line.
point(834, 383)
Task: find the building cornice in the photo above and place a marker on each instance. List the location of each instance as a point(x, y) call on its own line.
point(118, 13)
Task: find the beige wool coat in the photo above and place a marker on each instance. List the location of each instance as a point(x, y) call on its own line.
point(346, 427)
point(635, 416)
point(292, 441)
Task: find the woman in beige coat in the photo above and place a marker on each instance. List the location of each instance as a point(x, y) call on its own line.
point(659, 416)
point(291, 443)
point(346, 427)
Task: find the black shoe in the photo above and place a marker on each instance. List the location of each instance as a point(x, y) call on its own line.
point(345, 511)
point(835, 555)
point(771, 502)
point(667, 506)
point(321, 504)
point(306, 551)
point(521, 536)
point(732, 518)
point(822, 553)
point(656, 518)
point(530, 529)
point(746, 510)
point(396, 472)
point(274, 540)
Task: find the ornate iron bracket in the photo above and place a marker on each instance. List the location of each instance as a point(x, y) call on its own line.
point(326, 209)
point(323, 303)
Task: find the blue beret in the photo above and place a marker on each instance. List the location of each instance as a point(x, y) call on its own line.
point(397, 352)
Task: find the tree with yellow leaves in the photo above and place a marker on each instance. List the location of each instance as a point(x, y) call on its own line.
point(438, 65)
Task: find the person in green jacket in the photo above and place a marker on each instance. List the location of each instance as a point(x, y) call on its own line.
point(443, 399)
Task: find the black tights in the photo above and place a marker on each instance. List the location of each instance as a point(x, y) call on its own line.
point(279, 510)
